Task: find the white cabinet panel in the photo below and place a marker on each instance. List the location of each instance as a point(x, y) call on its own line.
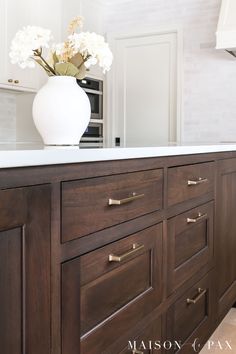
point(91, 10)
point(14, 15)
point(228, 15)
point(70, 9)
point(93, 13)
point(226, 32)
point(144, 88)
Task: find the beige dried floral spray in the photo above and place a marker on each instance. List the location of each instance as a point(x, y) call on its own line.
point(77, 22)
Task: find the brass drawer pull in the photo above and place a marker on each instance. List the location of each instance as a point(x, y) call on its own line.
point(135, 351)
point(16, 81)
point(197, 181)
point(123, 257)
point(125, 200)
point(201, 293)
point(198, 218)
point(10, 80)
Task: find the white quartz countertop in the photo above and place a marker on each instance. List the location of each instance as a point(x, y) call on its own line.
point(21, 155)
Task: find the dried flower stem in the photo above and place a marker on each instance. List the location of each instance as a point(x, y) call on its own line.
point(75, 23)
point(38, 54)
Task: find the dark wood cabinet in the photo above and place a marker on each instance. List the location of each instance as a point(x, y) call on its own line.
point(25, 270)
point(226, 235)
point(94, 256)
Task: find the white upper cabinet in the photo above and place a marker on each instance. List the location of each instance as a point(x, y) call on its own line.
point(70, 9)
point(14, 15)
point(93, 12)
point(226, 30)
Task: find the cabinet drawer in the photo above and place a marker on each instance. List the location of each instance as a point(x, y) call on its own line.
point(149, 341)
point(189, 320)
point(96, 203)
point(190, 244)
point(187, 182)
point(106, 292)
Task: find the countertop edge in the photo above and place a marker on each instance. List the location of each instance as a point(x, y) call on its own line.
point(10, 158)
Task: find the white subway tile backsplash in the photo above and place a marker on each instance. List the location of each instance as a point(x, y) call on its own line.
point(16, 122)
point(7, 117)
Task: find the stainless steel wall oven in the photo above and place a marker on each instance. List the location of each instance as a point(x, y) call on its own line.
point(93, 136)
point(94, 90)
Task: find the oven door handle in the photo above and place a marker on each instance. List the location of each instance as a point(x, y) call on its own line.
point(95, 92)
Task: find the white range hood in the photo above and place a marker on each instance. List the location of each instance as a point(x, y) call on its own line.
point(226, 30)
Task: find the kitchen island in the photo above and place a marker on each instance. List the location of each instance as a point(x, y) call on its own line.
point(111, 250)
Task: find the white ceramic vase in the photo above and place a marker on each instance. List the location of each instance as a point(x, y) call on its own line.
point(61, 111)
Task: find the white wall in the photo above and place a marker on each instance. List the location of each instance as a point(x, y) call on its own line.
point(209, 78)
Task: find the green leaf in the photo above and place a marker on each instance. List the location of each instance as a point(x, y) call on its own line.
point(82, 73)
point(55, 59)
point(77, 60)
point(66, 69)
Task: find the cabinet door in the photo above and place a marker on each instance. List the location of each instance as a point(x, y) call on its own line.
point(226, 235)
point(149, 341)
point(14, 15)
point(130, 101)
point(189, 319)
point(190, 244)
point(25, 270)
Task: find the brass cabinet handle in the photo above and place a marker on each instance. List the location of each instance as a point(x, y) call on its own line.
point(201, 293)
point(10, 80)
point(197, 181)
point(198, 218)
point(16, 81)
point(125, 200)
point(135, 351)
point(127, 255)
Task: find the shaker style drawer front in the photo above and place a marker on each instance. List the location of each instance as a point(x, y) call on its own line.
point(190, 317)
point(149, 341)
point(192, 181)
point(97, 203)
point(190, 244)
point(119, 285)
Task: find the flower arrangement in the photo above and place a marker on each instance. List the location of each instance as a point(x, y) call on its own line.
point(73, 57)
